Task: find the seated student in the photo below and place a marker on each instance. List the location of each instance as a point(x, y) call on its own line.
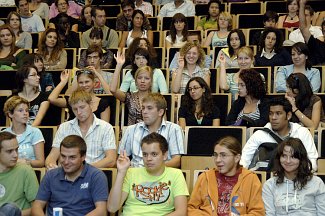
point(250, 109)
point(30, 22)
point(150, 190)
point(229, 81)
point(69, 38)
point(18, 181)
point(69, 7)
point(235, 40)
point(30, 139)
point(317, 46)
point(280, 113)
point(229, 189)
point(300, 55)
point(197, 106)
point(76, 186)
point(177, 32)
point(294, 190)
point(96, 39)
point(98, 134)
point(211, 20)
point(270, 51)
point(307, 107)
point(291, 19)
point(154, 106)
point(194, 37)
point(190, 64)
point(86, 81)
point(296, 36)
point(270, 18)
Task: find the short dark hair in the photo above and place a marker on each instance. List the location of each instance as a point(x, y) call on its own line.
point(56, 2)
point(127, 3)
point(270, 15)
point(310, 9)
point(94, 48)
point(281, 101)
point(209, 4)
point(278, 43)
point(94, 9)
point(299, 152)
point(156, 138)
point(74, 141)
point(4, 135)
point(302, 48)
point(17, 2)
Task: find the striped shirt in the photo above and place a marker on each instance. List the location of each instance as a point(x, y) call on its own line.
point(131, 140)
point(99, 138)
point(253, 115)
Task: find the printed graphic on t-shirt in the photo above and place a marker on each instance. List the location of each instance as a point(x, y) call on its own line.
point(292, 200)
point(2, 191)
point(152, 192)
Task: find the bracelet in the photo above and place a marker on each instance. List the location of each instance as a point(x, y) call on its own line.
point(295, 110)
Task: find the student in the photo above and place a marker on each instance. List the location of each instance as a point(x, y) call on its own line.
point(165, 186)
point(229, 189)
point(18, 181)
point(280, 113)
point(294, 190)
point(154, 107)
point(76, 186)
point(98, 134)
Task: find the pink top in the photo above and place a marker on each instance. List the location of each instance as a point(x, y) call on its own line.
point(74, 10)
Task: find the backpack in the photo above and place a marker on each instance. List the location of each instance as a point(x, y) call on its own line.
point(264, 155)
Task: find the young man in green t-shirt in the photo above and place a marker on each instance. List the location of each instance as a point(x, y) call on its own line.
point(18, 182)
point(150, 190)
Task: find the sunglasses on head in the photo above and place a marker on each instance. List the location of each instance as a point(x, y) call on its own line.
point(78, 72)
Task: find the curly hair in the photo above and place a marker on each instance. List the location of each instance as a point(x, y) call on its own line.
point(135, 12)
point(57, 50)
point(13, 47)
point(178, 17)
point(190, 45)
point(254, 83)
point(304, 170)
point(133, 48)
point(206, 99)
point(278, 43)
point(301, 83)
point(241, 38)
point(302, 48)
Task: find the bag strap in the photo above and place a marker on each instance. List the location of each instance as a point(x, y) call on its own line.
point(275, 137)
point(108, 32)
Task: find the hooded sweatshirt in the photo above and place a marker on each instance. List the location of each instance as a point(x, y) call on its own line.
point(284, 199)
point(246, 196)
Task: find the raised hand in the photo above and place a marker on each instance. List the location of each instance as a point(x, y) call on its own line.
point(65, 74)
point(123, 162)
point(181, 61)
point(120, 57)
point(291, 100)
point(222, 58)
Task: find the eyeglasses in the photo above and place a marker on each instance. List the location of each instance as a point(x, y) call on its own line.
point(193, 88)
point(78, 72)
point(221, 155)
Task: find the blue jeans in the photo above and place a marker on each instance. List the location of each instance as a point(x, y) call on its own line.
point(10, 209)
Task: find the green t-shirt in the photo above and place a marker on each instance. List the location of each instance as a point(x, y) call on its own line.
point(208, 24)
point(152, 195)
point(18, 185)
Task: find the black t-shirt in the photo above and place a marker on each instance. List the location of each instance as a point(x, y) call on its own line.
point(72, 21)
point(317, 50)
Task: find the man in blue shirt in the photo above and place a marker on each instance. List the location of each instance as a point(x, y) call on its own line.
point(76, 187)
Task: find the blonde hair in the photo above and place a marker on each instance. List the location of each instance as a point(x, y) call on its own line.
point(80, 95)
point(229, 19)
point(11, 104)
point(144, 69)
point(190, 45)
point(247, 51)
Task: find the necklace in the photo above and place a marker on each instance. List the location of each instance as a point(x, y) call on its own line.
point(291, 18)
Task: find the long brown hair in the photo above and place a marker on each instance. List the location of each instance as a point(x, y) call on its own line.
point(13, 47)
point(57, 50)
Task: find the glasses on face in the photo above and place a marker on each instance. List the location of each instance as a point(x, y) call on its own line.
point(221, 155)
point(78, 72)
point(189, 89)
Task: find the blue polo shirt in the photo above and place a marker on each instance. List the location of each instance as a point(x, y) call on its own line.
point(76, 198)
